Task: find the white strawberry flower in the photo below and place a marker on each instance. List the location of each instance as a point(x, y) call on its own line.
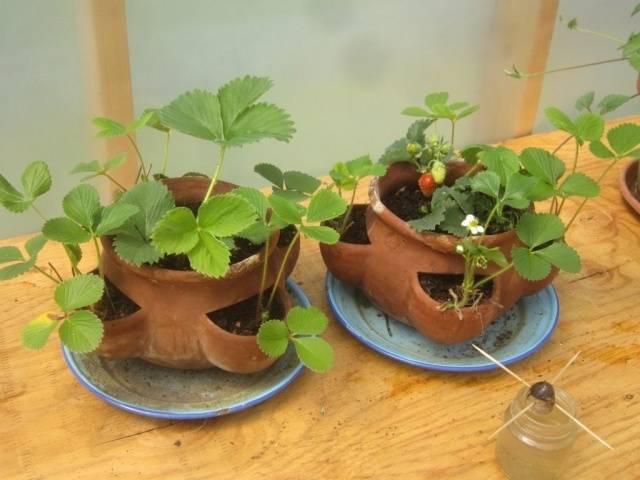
point(472, 224)
point(459, 249)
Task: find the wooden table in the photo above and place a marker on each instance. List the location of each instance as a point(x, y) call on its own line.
point(369, 417)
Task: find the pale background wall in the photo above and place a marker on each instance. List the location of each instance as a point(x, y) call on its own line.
point(343, 68)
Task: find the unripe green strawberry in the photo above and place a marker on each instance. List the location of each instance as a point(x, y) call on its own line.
point(439, 172)
point(413, 148)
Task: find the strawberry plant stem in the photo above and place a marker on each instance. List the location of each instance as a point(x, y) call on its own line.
point(573, 67)
point(97, 247)
point(492, 276)
point(135, 146)
point(561, 144)
point(348, 214)
point(115, 182)
point(263, 277)
point(50, 277)
point(216, 173)
point(281, 270)
point(165, 157)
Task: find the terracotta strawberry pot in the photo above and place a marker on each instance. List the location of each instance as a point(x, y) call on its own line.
point(172, 328)
point(627, 182)
point(387, 269)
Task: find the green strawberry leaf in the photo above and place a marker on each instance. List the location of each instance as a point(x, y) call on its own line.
point(36, 180)
point(10, 254)
point(225, 215)
point(585, 101)
point(578, 184)
point(134, 249)
point(535, 229)
point(600, 150)
point(82, 205)
point(321, 234)
point(415, 112)
point(81, 331)
point(301, 182)
point(271, 173)
point(12, 199)
point(273, 338)
point(530, 265)
point(436, 98)
point(256, 199)
point(64, 230)
point(314, 352)
point(325, 205)
point(36, 333)
point(562, 256)
point(560, 120)
point(542, 164)
point(612, 102)
point(113, 217)
point(237, 95)
point(176, 232)
point(396, 152)
point(210, 256)
point(589, 127)
point(307, 321)
point(196, 113)
point(487, 182)
point(78, 292)
point(624, 138)
point(262, 120)
point(415, 133)
point(502, 161)
point(431, 220)
point(286, 210)
point(109, 128)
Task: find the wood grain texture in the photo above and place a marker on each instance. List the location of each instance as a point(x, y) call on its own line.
point(369, 417)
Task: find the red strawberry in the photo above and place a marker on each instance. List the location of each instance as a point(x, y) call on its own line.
point(427, 184)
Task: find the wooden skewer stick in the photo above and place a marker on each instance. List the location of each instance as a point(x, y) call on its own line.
point(498, 363)
point(584, 427)
point(513, 419)
point(559, 374)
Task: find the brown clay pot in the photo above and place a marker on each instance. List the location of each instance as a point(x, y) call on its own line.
point(628, 178)
point(387, 269)
point(172, 328)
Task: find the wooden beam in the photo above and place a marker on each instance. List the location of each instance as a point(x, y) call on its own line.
point(102, 29)
point(522, 35)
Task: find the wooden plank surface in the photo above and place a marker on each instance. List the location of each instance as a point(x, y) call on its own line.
point(369, 417)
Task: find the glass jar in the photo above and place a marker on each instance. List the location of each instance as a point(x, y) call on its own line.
point(538, 443)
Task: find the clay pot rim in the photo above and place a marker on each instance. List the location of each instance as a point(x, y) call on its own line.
point(440, 241)
point(191, 276)
point(626, 178)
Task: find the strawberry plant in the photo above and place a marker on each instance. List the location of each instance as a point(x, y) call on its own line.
point(498, 190)
point(347, 175)
point(628, 51)
point(144, 224)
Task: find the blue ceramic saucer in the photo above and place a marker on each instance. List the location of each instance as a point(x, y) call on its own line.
point(145, 389)
point(518, 333)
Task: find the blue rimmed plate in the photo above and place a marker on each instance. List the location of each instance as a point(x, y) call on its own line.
point(145, 389)
point(518, 333)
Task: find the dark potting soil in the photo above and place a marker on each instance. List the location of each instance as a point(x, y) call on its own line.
point(437, 286)
point(356, 231)
point(286, 236)
point(241, 318)
point(407, 203)
point(114, 304)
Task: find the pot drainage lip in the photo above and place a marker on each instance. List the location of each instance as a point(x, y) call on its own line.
point(515, 335)
point(149, 390)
